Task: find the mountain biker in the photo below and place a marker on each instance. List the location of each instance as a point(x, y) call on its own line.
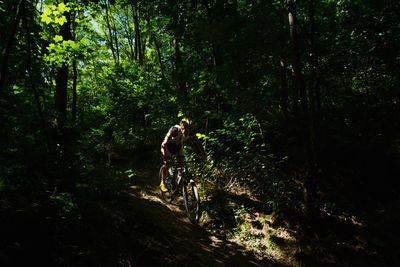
point(172, 145)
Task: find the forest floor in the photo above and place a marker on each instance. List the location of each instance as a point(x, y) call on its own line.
point(242, 234)
point(168, 237)
point(136, 228)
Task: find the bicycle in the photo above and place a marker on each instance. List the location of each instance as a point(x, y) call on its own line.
point(180, 181)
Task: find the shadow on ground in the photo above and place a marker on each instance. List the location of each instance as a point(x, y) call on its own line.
point(168, 238)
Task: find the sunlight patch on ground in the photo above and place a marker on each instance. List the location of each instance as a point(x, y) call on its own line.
point(256, 234)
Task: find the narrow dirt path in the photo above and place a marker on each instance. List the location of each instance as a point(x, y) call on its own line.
point(151, 232)
point(168, 238)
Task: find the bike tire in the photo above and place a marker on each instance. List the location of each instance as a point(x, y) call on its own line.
point(167, 196)
point(191, 200)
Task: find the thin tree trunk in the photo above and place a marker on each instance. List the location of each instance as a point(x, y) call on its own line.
point(215, 60)
point(307, 126)
point(74, 78)
point(297, 68)
point(284, 89)
point(315, 98)
point(283, 73)
point(144, 43)
point(62, 80)
point(74, 91)
point(179, 68)
point(115, 34)
point(178, 62)
point(7, 49)
point(159, 57)
point(138, 43)
point(129, 36)
point(32, 80)
point(61, 95)
point(110, 40)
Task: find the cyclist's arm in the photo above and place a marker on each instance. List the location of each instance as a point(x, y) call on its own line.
point(164, 143)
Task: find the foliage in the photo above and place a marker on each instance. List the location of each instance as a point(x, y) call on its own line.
point(281, 131)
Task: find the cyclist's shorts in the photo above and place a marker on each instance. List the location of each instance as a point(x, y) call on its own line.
point(174, 150)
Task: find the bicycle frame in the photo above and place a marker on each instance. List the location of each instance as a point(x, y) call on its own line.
point(179, 181)
point(180, 175)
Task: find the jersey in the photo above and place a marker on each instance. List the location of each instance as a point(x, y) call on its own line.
point(176, 139)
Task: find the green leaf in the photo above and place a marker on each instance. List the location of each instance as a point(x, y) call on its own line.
point(130, 173)
point(69, 43)
point(46, 19)
point(74, 45)
point(17, 90)
point(202, 136)
point(61, 20)
point(62, 7)
point(84, 41)
point(58, 38)
point(46, 11)
point(51, 46)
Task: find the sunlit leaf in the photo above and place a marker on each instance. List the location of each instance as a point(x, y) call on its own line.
point(61, 7)
point(58, 38)
point(130, 173)
point(84, 41)
point(202, 136)
point(17, 89)
point(75, 45)
point(46, 19)
point(61, 20)
point(47, 11)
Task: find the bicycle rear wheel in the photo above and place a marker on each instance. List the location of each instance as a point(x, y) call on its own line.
point(191, 199)
point(167, 196)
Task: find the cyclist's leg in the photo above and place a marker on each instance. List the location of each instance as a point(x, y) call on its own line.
point(166, 155)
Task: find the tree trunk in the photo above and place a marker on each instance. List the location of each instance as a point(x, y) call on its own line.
point(74, 91)
point(307, 129)
point(138, 42)
point(110, 40)
point(31, 78)
point(144, 43)
point(284, 91)
point(283, 73)
point(213, 91)
point(129, 36)
point(159, 57)
point(297, 67)
point(7, 49)
point(62, 80)
point(315, 98)
point(61, 95)
point(74, 78)
point(115, 34)
point(178, 62)
point(179, 70)
point(214, 48)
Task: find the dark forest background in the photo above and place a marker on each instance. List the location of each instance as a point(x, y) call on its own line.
point(297, 104)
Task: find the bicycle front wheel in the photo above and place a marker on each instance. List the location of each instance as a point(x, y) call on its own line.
point(191, 199)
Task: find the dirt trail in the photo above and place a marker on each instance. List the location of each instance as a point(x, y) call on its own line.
point(168, 238)
point(160, 234)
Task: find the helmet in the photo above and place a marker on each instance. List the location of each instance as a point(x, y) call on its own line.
point(186, 123)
